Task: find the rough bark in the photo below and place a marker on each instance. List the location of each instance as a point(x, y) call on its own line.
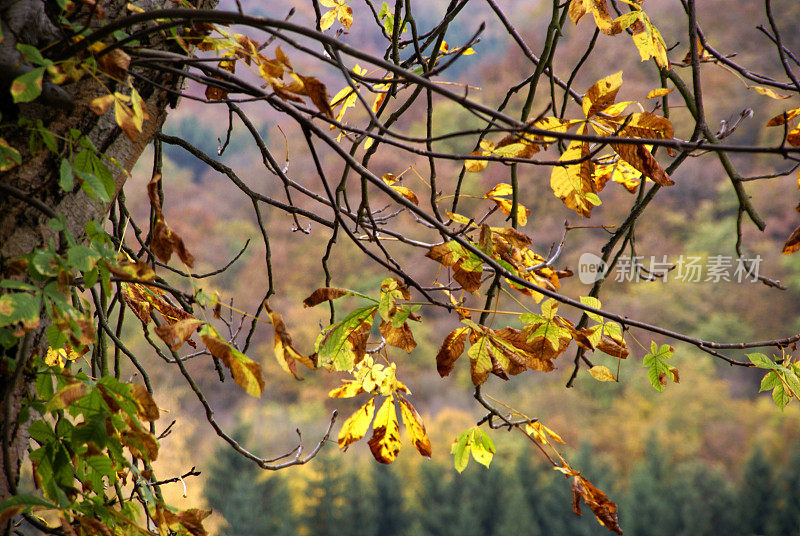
point(23, 225)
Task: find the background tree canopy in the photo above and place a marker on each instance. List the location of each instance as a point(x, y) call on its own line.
point(437, 215)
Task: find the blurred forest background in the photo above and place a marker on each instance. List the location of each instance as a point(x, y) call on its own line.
point(706, 456)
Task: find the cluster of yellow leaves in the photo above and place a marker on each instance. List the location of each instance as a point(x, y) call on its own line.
point(130, 112)
point(339, 10)
point(578, 179)
point(580, 176)
point(376, 380)
point(235, 47)
point(518, 145)
point(542, 339)
point(792, 243)
point(646, 37)
point(391, 180)
point(507, 245)
point(179, 326)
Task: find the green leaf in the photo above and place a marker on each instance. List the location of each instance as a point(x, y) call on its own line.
point(26, 87)
point(761, 361)
point(780, 397)
point(769, 381)
point(461, 451)
point(19, 307)
point(335, 350)
point(82, 258)
point(32, 54)
point(66, 177)
point(101, 464)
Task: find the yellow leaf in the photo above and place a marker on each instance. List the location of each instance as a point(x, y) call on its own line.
point(385, 440)
point(124, 118)
point(769, 92)
point(246, 372)
point(570, 183)
point(415, 428)
point(659, 92)
point(326, 21)
point(285, 354)
point(355, 427)
point(602, 94)
point(783, 118)
point(407, 193)
point(501, 189)
point(474, 166)
point(649, 42)
point(100, 105)
point(348, 390)
point(602, 374)
point(505, 206)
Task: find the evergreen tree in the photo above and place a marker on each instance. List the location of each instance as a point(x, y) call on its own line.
point(515, 515)
point(359, 514)
point(785, 520)
point(651, 507)
point(706, 501)
point(439, 501)
point(323, 514)
point(757, 496)
point(251, 504)
point(391, 516)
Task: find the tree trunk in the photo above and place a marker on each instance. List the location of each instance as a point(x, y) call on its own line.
point(35, 182)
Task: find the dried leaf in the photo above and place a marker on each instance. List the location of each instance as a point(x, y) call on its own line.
point(324, 294)
point(147, 407)
point(415, 428)
point(177, 333)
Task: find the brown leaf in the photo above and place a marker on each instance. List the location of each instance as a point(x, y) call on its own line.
point(638, 156)
point(191, 519)
point(147, 407)
point(469, 280)
point(115, 63)
point(324, 294)
point(66, 396)
point(792, 243)
point(398, 337)
point(604, 509)
point(318, 93)
point(132, 270)
point(415, 428)
point(179, 332)
point(140, 443)
point(450, 351)
point(613, 347)
point(286, 355)
point(166, 241)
